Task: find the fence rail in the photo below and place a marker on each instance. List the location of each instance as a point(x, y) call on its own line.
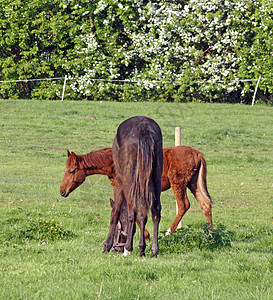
point(66, 78)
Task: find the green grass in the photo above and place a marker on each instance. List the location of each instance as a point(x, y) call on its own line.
point(39, 262)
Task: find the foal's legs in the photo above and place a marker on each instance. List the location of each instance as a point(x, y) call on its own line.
point(183, 205)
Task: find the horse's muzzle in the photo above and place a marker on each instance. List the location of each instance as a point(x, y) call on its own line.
point(64, 193)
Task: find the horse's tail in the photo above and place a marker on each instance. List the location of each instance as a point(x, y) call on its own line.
point(202, 181)
point(198, 185)
point(141, 186)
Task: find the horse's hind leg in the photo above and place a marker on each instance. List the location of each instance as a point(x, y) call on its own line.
point(142, 244)
point(183, 205)
point(146, 232)
point(156, 204)
point(156, 210)
point(128, 248)
point(156, 216)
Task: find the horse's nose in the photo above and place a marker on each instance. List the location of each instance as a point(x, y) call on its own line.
point(63, 193)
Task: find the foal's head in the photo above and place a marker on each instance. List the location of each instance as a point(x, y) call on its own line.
point(73, 175)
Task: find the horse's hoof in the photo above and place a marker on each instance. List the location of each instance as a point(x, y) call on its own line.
point(154, 254)
point(168, 232)
point(126, 252)
point(141, 254)
point(106, 249)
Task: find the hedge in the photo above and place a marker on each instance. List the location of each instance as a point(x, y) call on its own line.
point(194, 50)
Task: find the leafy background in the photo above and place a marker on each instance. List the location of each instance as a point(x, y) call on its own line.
point(156, 50)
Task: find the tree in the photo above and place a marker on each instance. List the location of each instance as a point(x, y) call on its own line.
point(183, 50)
point(38, 40)
point(178, 49)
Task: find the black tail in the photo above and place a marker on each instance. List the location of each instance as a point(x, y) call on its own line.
point(141, 187)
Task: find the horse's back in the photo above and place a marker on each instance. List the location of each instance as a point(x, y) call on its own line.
point(130, 134)
point(130, 129)
point(181, 162)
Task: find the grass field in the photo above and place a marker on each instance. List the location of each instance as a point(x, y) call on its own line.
point(51, 247)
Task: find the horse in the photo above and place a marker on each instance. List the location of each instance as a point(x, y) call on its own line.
point(183, 167)
point(138, 160)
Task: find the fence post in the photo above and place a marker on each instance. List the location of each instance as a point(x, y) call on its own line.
point(178, 143)
point(256, 88)
point(65, 78)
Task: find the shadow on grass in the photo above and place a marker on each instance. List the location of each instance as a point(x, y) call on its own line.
point(255, 239)
point(188, 239)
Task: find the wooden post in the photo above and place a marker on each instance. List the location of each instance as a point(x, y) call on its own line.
point(178, 143)
point(177, 136)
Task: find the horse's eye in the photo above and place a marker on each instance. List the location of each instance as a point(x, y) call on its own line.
point(72, 172)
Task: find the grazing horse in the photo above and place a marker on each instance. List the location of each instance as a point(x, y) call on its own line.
point(183, 167)
point(138, 160)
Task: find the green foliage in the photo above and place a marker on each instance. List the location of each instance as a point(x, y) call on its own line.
point(137, 50)
point(188, 239)
point(38, 40)
point(177, 51)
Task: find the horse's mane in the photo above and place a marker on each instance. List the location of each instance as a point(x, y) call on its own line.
point(97, 158)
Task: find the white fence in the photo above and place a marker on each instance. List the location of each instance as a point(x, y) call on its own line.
point(139, 81)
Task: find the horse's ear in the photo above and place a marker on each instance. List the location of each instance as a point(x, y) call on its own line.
point(67, 152)
point(73, 156)
point(112, 202)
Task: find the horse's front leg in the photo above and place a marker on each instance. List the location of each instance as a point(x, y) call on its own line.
point(114, 219)
point(110, 238)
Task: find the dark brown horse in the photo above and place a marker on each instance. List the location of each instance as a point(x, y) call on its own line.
point(182, 167)
point(138, 160)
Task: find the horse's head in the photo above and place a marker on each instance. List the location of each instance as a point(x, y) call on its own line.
point(121, 228)
point(73, 175)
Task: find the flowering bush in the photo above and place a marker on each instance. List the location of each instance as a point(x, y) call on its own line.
point(145, 50)
point(179, 49)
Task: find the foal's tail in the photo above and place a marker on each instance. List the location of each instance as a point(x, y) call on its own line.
point(141, 187)
point(198, 186)
point(202, 182)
